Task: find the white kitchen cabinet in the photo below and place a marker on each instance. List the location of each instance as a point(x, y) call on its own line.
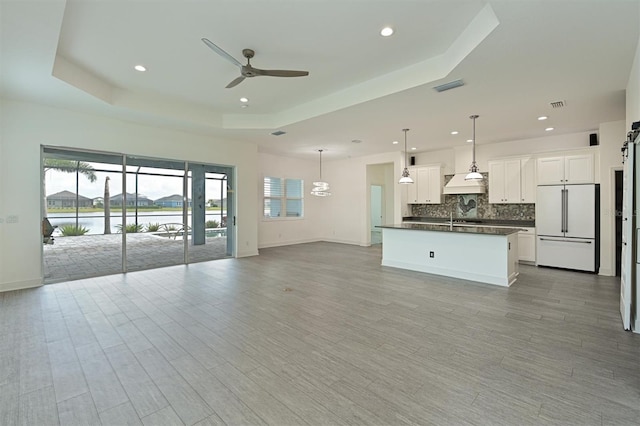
point(550, 170)
point(496, 182)
point(505, 181)
point(527, 180)
point(578, 169)
point(412, 188)
point(427, 186)
point(527, 245)
point(568, 169)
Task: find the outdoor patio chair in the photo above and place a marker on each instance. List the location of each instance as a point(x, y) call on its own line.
point(47, 231)
point(173, 230)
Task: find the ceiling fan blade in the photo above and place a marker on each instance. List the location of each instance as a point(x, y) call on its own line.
point(235, 82)
point(281, 73)
point(221, 52)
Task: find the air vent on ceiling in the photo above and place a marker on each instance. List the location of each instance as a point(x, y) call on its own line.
point(278, 133)
point(449, 85)
point(557, 104)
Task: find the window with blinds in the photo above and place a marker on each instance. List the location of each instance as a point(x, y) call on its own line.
point(283, 197)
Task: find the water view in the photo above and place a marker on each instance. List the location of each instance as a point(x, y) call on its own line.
point(94, 222)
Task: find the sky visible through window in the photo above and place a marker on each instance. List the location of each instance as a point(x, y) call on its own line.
point(150, 186)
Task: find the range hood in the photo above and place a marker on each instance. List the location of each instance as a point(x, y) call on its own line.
point(457, 184)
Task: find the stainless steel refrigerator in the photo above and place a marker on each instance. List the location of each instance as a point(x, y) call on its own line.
point(568, 226)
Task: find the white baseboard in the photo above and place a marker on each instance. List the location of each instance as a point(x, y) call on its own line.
point(19, 285)
point(315, 240)
point(606, 272)
point(339, 241)
point(287, 243)
point(247, 253)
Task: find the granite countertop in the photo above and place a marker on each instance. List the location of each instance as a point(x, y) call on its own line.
point(472, 222)
point(485, 230)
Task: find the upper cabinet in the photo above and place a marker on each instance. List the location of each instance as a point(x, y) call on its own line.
point(568, 169)
point(412, 188)
point(512, 181)
point(527, 180)
point(427, 186)
point(504, 181)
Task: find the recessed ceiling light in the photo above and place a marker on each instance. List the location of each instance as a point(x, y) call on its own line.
point(455, 132)
point(244, 100)
point(548, 129)
point(542, 117)
point(386, 31)
point(139, 68)
point(413, 148)
point(469, 140)
point(244, 106)
point(395, 142)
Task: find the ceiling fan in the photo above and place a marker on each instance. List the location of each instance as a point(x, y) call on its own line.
point(247, 71)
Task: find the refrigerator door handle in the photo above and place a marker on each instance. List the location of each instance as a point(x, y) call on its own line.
point(566, 210)
point(562, 210)
point(567, 241)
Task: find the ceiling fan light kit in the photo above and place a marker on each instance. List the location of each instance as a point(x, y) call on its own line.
point(473, 174)
point(248, 71)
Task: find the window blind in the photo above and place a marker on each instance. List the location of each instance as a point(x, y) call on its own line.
point(283, 197)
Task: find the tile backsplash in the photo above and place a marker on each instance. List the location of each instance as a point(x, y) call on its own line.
point(485, 210)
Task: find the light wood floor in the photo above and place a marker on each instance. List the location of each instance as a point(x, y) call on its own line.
point(317, 334)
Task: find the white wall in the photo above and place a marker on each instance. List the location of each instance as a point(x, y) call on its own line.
point(489, 151)
point(486, 152)
point(25, 127)
point(3, 178)
point(277, 232)
point(612, 135)
point(633, 90)
point(445, 157)
point(347, 216)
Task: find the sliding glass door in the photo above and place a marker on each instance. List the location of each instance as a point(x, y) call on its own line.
point(112, 213)
point(83, 239)
point(211, 233)
point(155, 209)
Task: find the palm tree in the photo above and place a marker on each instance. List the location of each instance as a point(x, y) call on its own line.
point(66, 166)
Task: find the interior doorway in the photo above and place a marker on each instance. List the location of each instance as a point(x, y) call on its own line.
point(618, 220)
point(377, 206)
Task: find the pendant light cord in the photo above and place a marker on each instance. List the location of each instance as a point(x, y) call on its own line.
point(406, 154)
point(474, 138)
point(320, 150)
point(473, 158)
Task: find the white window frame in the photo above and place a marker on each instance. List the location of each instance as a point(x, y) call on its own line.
point(283, 199)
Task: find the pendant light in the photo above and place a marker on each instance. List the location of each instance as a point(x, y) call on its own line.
point(320, 188)
point(405, 173)
point(473, 170)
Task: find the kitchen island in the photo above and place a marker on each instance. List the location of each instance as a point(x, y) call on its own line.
point(485, 254)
